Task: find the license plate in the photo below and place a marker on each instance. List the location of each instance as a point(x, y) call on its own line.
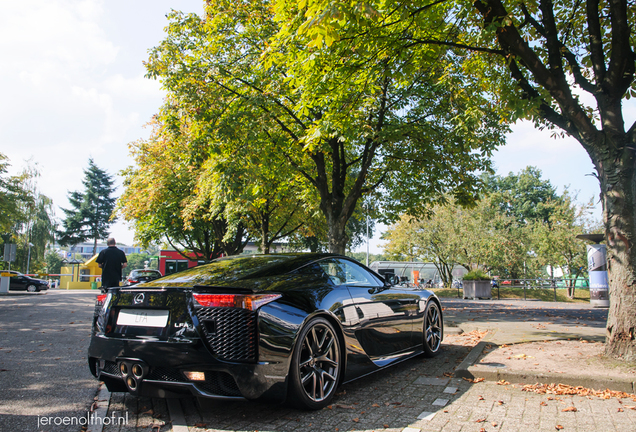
point(143, 317)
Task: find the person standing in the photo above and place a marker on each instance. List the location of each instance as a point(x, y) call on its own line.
point(112, 261)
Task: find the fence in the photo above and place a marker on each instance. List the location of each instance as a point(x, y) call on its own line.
point(552, 284)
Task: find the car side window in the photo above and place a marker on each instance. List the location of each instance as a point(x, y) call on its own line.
point(344, 272)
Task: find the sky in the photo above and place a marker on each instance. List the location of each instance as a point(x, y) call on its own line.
point(73, 88)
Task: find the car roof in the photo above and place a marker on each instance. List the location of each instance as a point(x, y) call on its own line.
point(231, 270)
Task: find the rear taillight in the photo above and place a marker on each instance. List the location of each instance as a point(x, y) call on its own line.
point(132, 281)
point(242, 301)
point(101, 298)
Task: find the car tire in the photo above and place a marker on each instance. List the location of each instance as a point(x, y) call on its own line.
point(433, 329)
point(32, 288)
point(316, 366)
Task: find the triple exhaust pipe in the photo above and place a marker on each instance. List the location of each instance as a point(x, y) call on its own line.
point(133, 373)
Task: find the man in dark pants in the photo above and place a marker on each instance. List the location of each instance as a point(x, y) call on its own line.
point(111, 260)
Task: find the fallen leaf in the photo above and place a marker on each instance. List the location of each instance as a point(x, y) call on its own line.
point(569, 409)
point(475, 380)
point(558, 427)
point(564, 389)
point(375, 405)
point(503, 382)
point(356, 419)
point(481, 420)
point(481, 397)
point(543, 403)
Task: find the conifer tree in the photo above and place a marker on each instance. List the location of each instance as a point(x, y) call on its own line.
point(90, 215)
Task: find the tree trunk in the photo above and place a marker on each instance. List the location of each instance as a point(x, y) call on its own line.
point(618, 190)
point(611, 148)
point(337, 236)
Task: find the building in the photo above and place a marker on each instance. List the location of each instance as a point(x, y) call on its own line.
point(413, 271)
point(171, 261)
point(78, 275)
point(86, 249)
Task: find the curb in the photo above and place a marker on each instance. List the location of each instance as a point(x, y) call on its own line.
point(452, 330)
point(468, 369)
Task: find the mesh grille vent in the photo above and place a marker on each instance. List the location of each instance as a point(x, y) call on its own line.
point(232, 335)
point(219, 383)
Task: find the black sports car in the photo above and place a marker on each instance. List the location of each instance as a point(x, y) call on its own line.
point(273, 327)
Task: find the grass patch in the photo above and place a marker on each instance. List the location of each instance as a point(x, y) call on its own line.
point(581, 295)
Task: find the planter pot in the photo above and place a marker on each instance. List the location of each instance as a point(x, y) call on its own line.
point(477, 289)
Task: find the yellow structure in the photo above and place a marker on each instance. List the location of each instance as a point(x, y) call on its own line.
point(81, 276)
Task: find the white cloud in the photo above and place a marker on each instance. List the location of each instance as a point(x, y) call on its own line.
point(73, 85)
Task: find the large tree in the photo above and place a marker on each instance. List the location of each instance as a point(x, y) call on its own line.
point(13, 197)
point(90, 215)
point(554, 241)
point(26, 216)
point(524, 196)
point(160, 196)
point(393, 130)
point(568, 65)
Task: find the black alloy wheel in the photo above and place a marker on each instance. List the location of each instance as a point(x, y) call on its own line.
point(32, 288)
point(433, 329)
point(316, 366)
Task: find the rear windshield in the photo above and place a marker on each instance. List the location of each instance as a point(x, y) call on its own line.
point(146, 273)
point(224, 270)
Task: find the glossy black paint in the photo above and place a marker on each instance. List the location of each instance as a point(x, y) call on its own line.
point(19, 281)
point(377, 325)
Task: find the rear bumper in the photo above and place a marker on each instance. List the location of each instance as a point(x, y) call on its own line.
point(164, 364)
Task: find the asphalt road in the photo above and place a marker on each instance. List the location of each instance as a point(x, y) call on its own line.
point(44, 377)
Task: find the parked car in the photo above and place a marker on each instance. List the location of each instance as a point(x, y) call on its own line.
point(19, 281)
point(273, 327)
point(141, 275)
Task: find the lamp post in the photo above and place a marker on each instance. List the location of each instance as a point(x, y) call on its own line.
point(29, 258)
point(367, 220)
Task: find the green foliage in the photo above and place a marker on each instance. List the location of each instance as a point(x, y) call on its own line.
point(53, 262)
point(26, 217)
point(327, 120)
point(138, 261)
point(91, 212)
point(524, 196)
point(160, 191)
point(362, 257)
point(13, 197)
point(477, 274)
point(497, 240)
